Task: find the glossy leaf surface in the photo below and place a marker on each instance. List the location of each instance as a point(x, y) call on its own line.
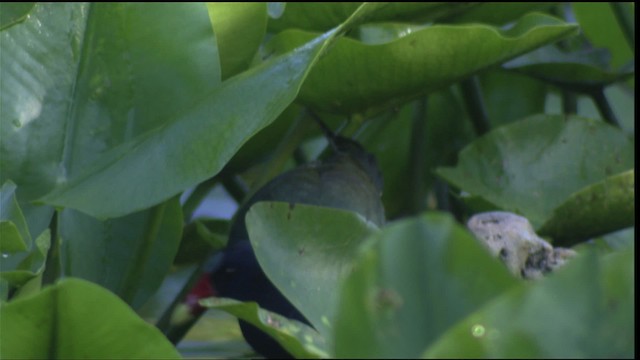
point(15, 232)
point(415, 279)
point(580, 312)
point(160, 157)
point(532, 166)
point(348, 80)
point(299, 339)
point(19, 267)
point(286, 236)
point(603, 207)
point(99, 76)
point(75, 318)
point(239, 29)
point(129, 255)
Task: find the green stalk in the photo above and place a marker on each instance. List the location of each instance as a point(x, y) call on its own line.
point(604, 107)
point(234, 188)
point(175, 333)
point(472, 94)
point(569, 102)
point(199, 193)
point(417, 190)
point(442, 195)
point(52, 268)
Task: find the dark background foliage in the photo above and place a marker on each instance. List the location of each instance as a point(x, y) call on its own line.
point(131, 132)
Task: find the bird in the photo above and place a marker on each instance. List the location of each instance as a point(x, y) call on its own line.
point(240, 277)
point(348, 178)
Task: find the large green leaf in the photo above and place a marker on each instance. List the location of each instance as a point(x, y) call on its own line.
point(576, 71)
point(159, 165)
point(355, 77)
point(129, 255)
point(19, 267)
point(22, 258)
point(532, 166)
point(320, 16)
point(239, 30)
point(600, 208)
point(299, 339)
point(498, 13)
point(416, 279)
point(13, 13)
point(600, 26)
point(13, 226)
point(77, 319)
point(585, 310)
point(81, 79)
point(262, 144)
point(286, 236)
point(509, 96)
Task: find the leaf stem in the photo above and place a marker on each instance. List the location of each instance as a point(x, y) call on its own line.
point(196, 197)
point(604, 107)
point(624, 16)
point(569, 102)
point(417, 190)
point(52, 268)
point(442, 195)
point(472, 94)
point(175, 333)
point(235, 188)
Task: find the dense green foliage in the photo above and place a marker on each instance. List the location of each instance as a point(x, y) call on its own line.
point(117, 121)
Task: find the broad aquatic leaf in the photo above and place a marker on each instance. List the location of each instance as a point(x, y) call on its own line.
point(261, 145)
point(80, 79)
point(532, 166)
point(129, 255)
point(21, 258)
point(321, 16)
point(239, 30)
point(509, 96)
point(10, 239)
point(580, 72)
point(78, 319)
point(355, 78)
point(286, 236)
point(600, 26)
point(19, 267)
point(14, 13)
point(13, 226)
point(497, 13)
point(585, 310)
point(415, 279)
point(598, 209)
point(297, 338)
point(157, 163)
